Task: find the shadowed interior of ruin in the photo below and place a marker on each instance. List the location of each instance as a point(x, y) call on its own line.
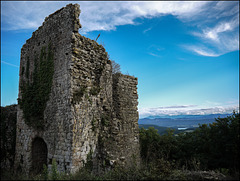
point(39, 154)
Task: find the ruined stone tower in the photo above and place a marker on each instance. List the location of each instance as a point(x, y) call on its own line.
point(71, 107)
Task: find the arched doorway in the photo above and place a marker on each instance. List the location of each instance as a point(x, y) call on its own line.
point(39, 155)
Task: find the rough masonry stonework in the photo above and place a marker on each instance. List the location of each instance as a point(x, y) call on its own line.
point(90, 114)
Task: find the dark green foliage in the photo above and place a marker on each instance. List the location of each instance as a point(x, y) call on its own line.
point(163, 130)
point(153, 146)
point(213, 146)
point(54, 171)
point(45, 172)
point(36, 94)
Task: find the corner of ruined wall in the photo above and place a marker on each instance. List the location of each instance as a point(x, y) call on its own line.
point(91, 98)
point(57, 30)
point(126, 149)
point(124, 95)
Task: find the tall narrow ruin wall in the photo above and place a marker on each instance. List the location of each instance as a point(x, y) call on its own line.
point(92, 97)
point(125, 128)
point(90, 113)
point(57, 29)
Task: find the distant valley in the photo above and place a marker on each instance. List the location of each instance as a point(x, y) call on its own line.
point(180, 123)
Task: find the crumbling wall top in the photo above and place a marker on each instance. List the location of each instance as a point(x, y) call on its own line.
point(71, 13)
point(62, 21)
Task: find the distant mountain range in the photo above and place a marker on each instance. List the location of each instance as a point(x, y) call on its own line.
point(180, 121)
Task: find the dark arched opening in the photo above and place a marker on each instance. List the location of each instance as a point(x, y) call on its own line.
point(39, 155)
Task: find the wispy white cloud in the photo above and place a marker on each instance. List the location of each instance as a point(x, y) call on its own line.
point(217, 22)
point(233, 102)
point(155, 50)
point(94, 15)
point(186, 110)
point(9, 64)
point(146, 30)
point(202, 51)
point(153, 54)
point(220, 30)
point(20, 15)
point(213, 34)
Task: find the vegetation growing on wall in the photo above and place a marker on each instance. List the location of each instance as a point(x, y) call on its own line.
point(35, 94)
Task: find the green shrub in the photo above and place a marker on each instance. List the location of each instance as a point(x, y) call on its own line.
point(54, 171)
point(210, 146)
point(45, 172)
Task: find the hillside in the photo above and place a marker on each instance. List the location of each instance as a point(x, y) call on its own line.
point(180, 121)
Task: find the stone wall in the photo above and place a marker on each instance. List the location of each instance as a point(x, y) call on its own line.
point(57, 29)
point(125, 131)
point(8, 136)
point(91, 90)
point(90, 115)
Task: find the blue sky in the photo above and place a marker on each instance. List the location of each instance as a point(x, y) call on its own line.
point(185, 54)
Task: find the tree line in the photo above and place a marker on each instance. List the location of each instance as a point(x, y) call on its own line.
point(212, 146)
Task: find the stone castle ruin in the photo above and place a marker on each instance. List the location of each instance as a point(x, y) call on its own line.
point(71, 108)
